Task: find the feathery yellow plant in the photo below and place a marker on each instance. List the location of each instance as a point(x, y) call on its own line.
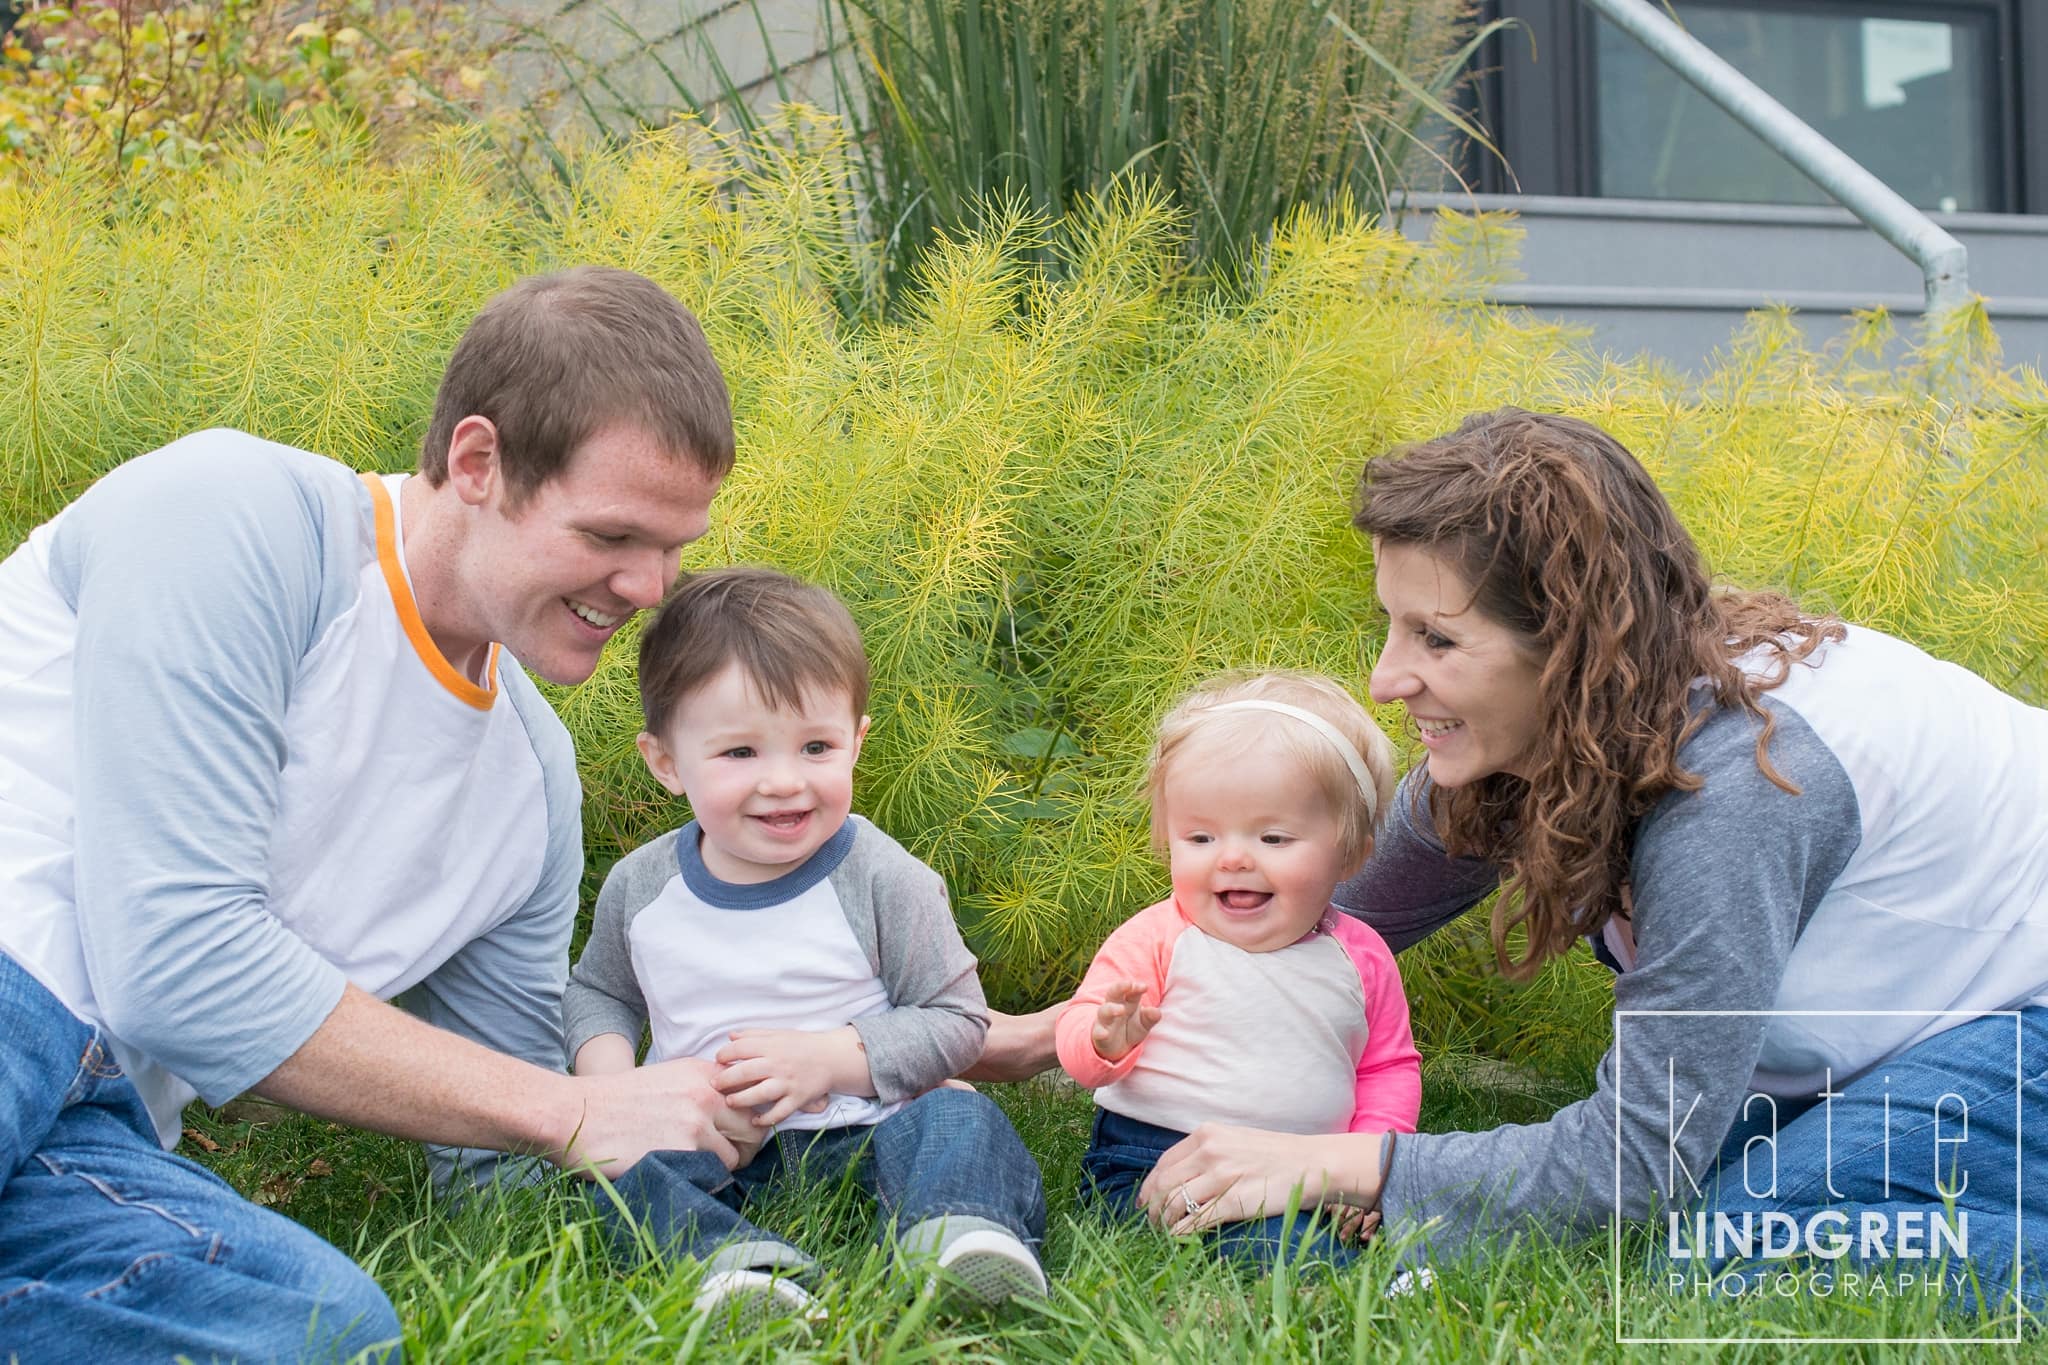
point(1054, 500)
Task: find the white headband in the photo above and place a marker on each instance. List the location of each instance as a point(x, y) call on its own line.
point(1343, 746)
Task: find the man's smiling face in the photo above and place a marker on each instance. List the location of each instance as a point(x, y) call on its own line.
point(557, 573)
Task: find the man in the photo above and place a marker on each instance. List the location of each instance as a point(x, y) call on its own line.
point(267, 761)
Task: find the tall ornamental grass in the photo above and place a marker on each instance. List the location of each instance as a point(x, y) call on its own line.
point(1238, 111)
point(1055, 497)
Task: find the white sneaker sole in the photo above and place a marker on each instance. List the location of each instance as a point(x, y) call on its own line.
point(991, 1268)
point(749, 1300)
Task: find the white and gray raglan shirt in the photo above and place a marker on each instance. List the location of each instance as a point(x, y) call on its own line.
point(236, 773)
point(1910, 874)
point(859, 934)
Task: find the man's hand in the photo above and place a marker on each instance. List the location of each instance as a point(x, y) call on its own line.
point(1122, 1021)
point(669, 1106)
point(776, 1072)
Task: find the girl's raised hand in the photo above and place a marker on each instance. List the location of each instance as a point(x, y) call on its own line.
point(1122, 1020)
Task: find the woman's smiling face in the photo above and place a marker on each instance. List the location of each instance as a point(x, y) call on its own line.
point(1469, 682)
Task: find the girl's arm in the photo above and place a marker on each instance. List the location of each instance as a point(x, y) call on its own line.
point(1138, 951)
point(1389, 1078)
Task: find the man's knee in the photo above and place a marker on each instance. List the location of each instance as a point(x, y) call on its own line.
point(355, 1320)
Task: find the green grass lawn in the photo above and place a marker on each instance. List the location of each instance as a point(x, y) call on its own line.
point(531, 1278)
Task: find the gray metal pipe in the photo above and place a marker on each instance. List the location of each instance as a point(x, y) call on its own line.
point(1943, 261)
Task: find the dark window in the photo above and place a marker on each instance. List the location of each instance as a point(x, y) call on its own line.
point(1944, 100)
point(1915, 99)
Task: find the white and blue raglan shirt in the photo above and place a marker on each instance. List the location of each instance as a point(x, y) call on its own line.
point(235, 773)
point(859, 933)
point(1909, 874)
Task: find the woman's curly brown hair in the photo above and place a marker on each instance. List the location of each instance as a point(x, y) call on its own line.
point(1565, 540)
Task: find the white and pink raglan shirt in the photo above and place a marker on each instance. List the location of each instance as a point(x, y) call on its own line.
point(1310, 1038)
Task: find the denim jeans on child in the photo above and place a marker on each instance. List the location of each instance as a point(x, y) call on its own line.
point(1122, 1152)
point(945, 1164)
point(113, 1249)
point(1856, 1153)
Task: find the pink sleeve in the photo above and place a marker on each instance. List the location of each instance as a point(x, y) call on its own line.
point(1389, 1089)
point(1139, 950)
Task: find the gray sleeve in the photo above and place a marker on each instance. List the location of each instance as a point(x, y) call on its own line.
point(1724, 879)
point(1409, 888)
point(504, 988)
point(201, 575)
point(899, 914)
point(603, 995)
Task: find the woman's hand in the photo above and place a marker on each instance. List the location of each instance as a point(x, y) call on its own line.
point(1223, 1174)
point(1121, 1021)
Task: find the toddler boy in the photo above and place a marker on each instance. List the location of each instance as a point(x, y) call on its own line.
point(800, 950)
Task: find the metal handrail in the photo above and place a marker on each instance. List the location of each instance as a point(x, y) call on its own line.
point(1943, 261)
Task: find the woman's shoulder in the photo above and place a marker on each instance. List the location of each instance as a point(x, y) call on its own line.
point(1880, 708)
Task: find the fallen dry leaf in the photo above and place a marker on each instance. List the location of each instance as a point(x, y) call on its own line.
point(205, 1143)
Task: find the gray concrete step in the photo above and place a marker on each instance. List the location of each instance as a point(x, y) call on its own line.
point(1676, 279)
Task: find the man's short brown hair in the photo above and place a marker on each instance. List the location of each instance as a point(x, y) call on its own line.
point(791, 638)
point(556, 359)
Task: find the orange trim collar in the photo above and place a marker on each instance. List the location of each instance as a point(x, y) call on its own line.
point(409, 612)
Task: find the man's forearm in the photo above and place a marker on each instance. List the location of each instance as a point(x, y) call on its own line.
point(371, 1065)
point(1018, 1046)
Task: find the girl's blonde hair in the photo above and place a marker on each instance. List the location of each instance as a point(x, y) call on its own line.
point(1273, 732)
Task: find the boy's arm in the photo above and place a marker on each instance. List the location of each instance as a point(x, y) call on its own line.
point(603, 1001)
point(898, 910)
point(1389, 1082)
point(1138, 950)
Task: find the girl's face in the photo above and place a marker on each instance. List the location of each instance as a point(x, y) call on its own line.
point(1469, 682)
point(1252, 846)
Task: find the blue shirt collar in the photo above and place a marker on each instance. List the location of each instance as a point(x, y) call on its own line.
point(720, 894)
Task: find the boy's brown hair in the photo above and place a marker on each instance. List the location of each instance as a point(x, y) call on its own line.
point(556, 359)
point(791, 639)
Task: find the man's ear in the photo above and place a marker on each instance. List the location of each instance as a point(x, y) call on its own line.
point(660, 762)
point(474, 470)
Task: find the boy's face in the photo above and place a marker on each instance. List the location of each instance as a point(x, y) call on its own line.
point(768, 787)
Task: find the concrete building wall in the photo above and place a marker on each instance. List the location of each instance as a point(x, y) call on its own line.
point(635, 59)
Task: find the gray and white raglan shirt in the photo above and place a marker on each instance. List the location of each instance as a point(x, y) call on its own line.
point(1909, 874)
point(236, 773)
point(859, 934)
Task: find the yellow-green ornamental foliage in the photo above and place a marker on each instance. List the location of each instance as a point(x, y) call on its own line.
point(1054, 501)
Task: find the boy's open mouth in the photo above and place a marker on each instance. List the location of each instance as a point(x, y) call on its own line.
point(1244, 902)
point(784, 821)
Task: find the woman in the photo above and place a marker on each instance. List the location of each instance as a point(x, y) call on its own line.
point(1746, 809)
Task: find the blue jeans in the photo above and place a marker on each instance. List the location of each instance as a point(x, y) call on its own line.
point(1122, 1152)
point(948, 1155)
point(1851, 1156)
point(113, 1248)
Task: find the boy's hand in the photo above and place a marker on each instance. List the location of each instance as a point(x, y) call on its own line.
point(776, 1071)
point(1122, 1020)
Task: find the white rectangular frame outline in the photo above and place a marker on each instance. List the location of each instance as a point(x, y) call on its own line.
point(2018, 1176)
